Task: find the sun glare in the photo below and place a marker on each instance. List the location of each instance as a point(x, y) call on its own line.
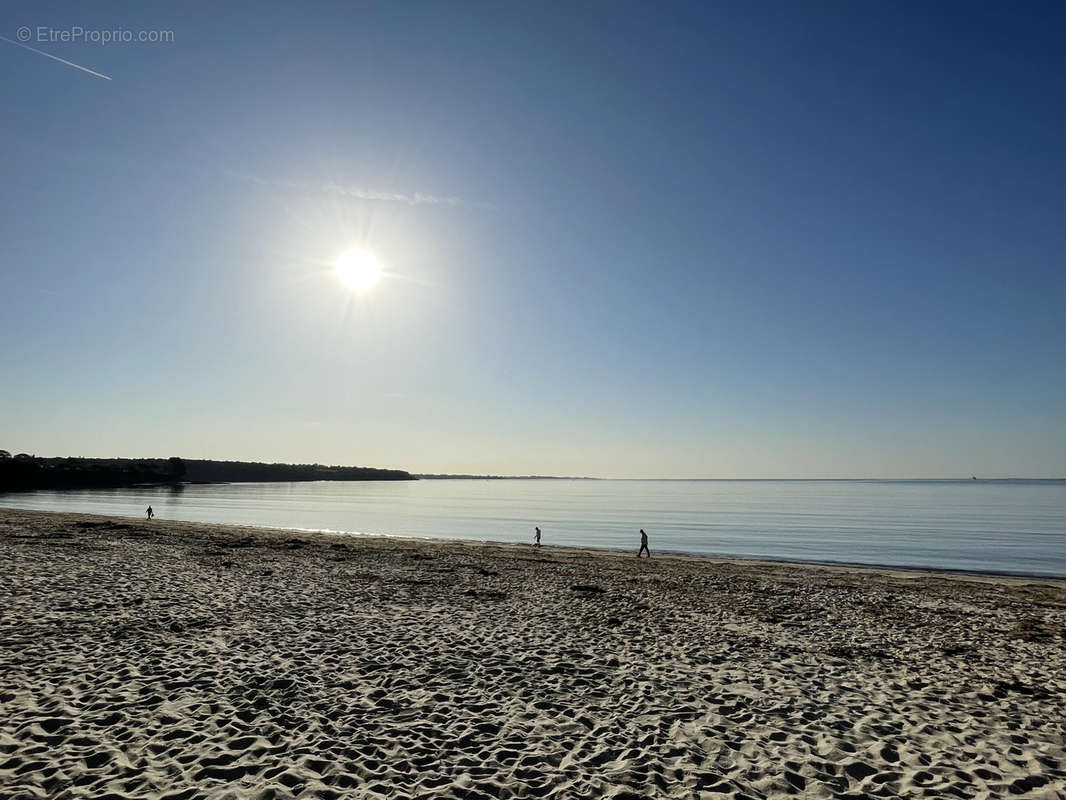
point(358, 269)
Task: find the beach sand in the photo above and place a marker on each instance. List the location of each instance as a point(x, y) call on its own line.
point(178, 660)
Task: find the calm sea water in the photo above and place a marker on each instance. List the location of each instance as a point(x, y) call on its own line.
point(999, 526)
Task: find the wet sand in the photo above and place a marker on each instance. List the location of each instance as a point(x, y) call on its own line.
point(179, 660)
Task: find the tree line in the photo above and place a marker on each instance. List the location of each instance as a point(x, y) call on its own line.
point(24, 471)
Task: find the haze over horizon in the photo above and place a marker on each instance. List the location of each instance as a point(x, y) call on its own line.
point(759, 240)
point(522, 476)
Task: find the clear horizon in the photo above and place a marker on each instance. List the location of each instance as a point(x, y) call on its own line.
point(530, 475)
point(740, 241)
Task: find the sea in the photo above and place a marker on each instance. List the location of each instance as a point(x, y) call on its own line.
point(996, 526)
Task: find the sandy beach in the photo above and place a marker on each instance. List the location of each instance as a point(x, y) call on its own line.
point(179, 660)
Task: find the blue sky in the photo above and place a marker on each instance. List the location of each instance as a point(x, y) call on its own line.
point(709, 240)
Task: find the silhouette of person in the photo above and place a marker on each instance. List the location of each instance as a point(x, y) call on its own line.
point(149, 513)
point(643, 544)
point(536, 537)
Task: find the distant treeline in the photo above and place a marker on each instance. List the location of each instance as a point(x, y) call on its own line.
point(31, 472)
point(24, 471)
point(245, 471)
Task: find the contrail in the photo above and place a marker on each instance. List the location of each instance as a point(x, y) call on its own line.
point(416, 199)
point(56, 58)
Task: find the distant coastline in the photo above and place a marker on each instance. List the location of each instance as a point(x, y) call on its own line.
point(24, 472)
point(428, 476)
point(969, 480)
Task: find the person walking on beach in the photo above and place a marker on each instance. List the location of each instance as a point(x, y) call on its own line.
point(643, 544)
point(149, 513)
point(536, 537)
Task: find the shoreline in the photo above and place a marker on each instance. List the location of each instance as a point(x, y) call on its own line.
point(169, 660)
point(888, 569)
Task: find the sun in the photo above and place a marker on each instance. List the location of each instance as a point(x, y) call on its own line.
point(358, 269)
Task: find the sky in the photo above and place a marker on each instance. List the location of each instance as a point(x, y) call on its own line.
point(720, 239)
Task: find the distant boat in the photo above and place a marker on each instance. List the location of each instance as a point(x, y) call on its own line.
point(973, 477)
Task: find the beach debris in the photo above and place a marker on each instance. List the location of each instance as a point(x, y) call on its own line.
point(108, 524)
point(1034, 630)
point(1003, 687)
